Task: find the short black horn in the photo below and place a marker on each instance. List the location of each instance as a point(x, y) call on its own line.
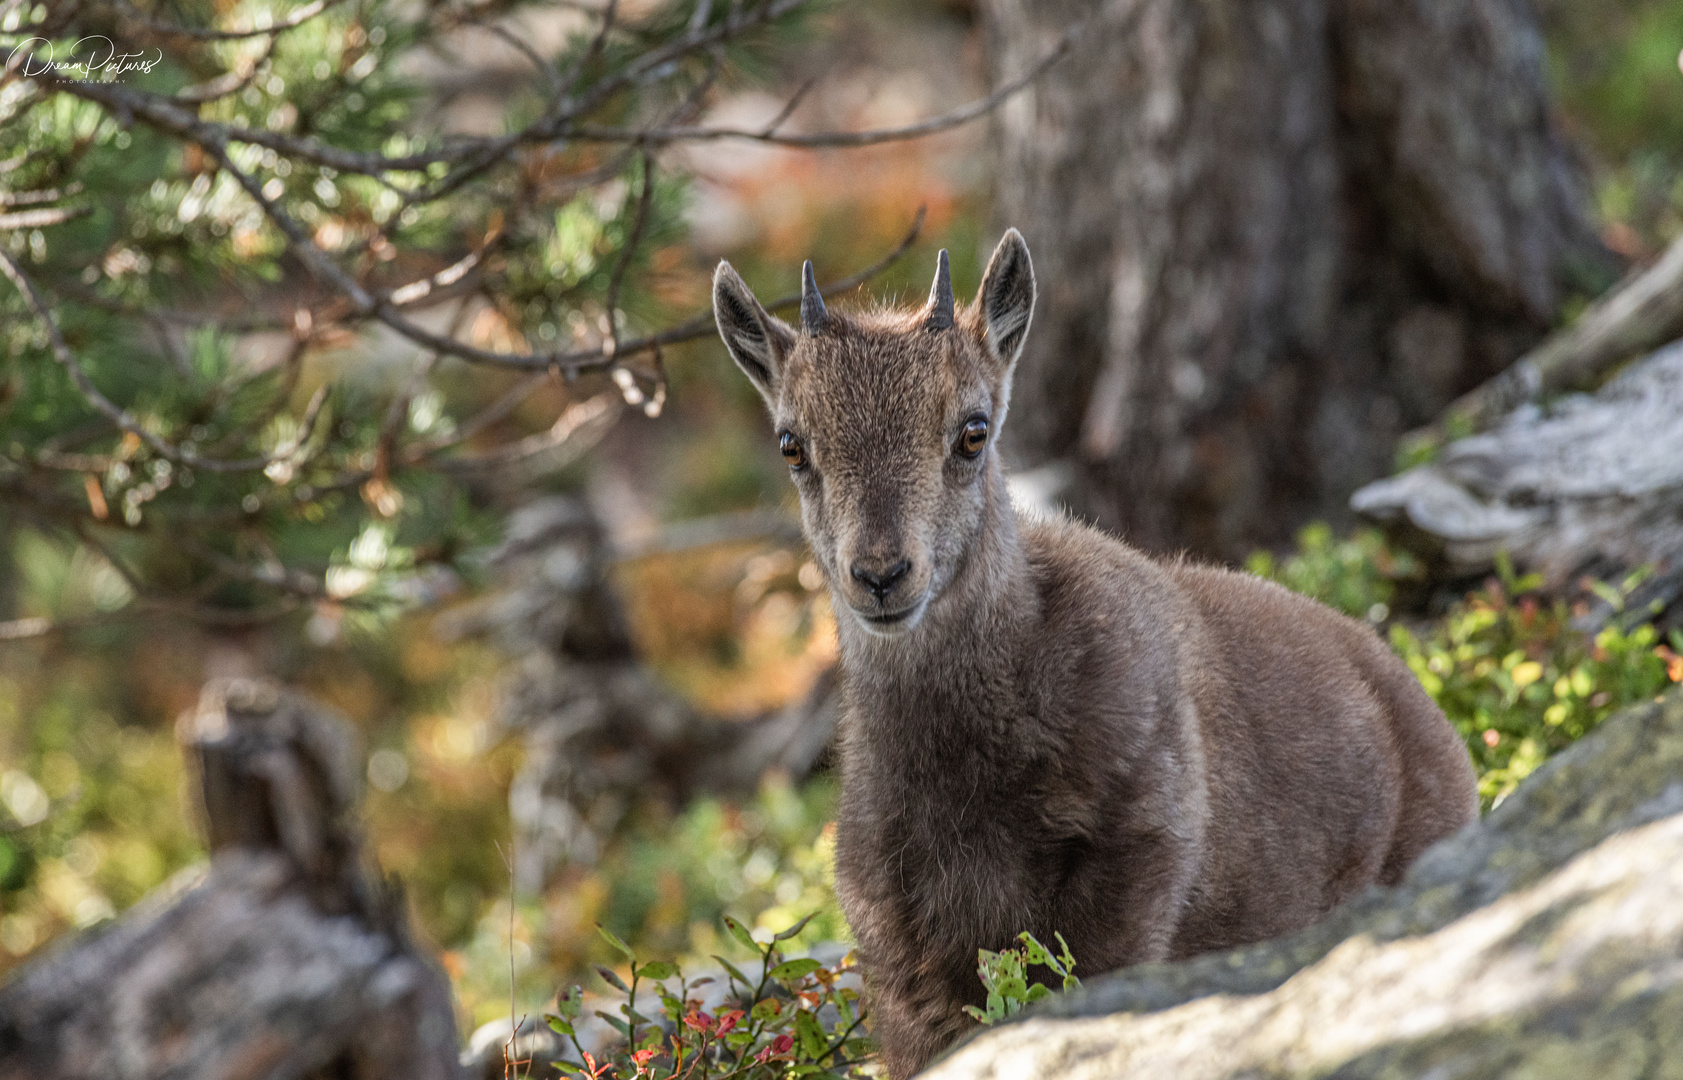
point(813, 315)
point(941, 295)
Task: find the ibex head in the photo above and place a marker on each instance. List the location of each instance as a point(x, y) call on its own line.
point(888, 421)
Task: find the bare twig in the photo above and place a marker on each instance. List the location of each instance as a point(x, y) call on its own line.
point(790, 106)
point(567, 82)
point(40, 219)
point(573, 361)
point(295, 19)
point(520, 45)
point(629, 251)
point(571, 421)
point(964, 114)
point(474, 155)
point(231, 82)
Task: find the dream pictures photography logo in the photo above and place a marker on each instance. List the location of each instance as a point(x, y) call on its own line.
point(93, 55)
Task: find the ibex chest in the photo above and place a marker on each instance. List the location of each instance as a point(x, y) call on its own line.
point(954, 826)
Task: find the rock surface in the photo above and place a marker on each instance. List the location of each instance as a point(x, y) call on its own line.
point(1545, 941)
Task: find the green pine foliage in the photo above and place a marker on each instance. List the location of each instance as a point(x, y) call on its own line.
point(226, 258)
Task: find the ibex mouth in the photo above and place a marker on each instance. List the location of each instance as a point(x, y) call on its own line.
point(890, 623)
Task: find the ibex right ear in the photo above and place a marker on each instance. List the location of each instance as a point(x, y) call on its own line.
point(758, 341)
point(1006, 299)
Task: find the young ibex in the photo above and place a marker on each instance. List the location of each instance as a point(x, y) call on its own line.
point(1042, 728)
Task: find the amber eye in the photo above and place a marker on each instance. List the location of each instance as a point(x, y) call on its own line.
point(973, 438)
point(793, 452)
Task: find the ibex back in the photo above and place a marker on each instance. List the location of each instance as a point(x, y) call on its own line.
point(1043, 729)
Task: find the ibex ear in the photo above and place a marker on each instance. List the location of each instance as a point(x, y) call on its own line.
point(758, 341)
point(1006, 299)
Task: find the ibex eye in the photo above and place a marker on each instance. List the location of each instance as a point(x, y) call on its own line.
point(793, 452)
point(973, 438)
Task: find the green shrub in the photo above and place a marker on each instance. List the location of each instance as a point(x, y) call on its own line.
point(1357, 575)
point(772, 1028)
point(1507, 666)
point(1520, 684)
point(1005, 975)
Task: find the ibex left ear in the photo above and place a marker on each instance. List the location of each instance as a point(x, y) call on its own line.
point(1006, 299)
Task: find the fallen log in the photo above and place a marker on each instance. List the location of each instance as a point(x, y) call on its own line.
point(286, 959)
point(1592, 485)
point(1641, 314)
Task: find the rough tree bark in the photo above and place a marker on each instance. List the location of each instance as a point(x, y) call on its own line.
point(1272, 238)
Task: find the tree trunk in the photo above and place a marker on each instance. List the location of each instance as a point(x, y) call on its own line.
point(1271, 238)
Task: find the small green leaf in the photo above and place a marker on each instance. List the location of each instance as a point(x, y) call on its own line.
point(613, 939)
point(740, 933)
point(739, 1038)
point(768, 1009)
point(795, 929)
point(612, 979)
point(1036, 992)
point(568, 1002)
point(618, 1025)
point(560, 1026)
point(657, 969)
point(734, 973)
point(813, 1043)
point(796, 969)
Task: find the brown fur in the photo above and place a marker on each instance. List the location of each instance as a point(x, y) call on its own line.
point(1154, 758)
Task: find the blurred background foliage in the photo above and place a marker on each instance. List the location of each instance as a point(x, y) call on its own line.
point(92, 812)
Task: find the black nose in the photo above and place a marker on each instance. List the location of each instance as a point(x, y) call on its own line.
point(881, 583)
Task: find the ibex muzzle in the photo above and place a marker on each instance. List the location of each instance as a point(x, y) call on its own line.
point(1042, 728)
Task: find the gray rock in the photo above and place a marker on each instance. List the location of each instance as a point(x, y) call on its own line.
point(1544, 941)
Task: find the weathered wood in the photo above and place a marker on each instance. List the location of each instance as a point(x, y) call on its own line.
point(599, 729)
point(285, 960)
point(1641, 314)
point(1543, 942)
point(1272, 238)
point(1592, 484)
